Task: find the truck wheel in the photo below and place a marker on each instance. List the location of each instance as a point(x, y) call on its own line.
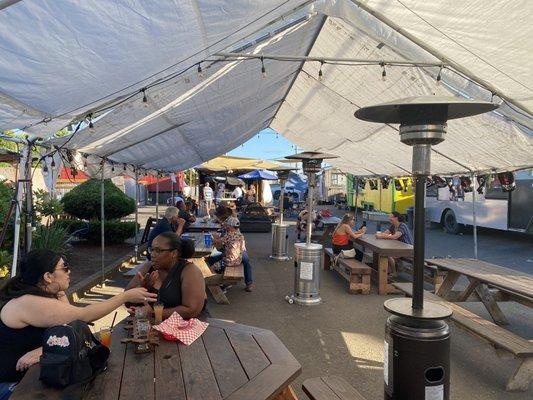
point(450, 223)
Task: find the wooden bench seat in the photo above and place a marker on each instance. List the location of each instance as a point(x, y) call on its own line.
point(500, 338)
point(355, 272)
point(330, 388)
point(431, 273)
point(231, 275)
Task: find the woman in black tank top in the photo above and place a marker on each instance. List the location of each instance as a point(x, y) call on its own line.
point(35, 300)
point(180, 283)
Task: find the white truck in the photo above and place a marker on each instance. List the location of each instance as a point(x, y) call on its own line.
point(495, 208)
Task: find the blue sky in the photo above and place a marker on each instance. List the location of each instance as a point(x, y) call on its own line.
point(265, 146)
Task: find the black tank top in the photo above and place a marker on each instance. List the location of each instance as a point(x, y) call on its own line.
point(170, 291)
point(14, 343)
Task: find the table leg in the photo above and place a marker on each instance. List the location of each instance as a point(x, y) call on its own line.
point(448, 284)
point(521, 377)
point(287, 394)
point(218, 294)
point(383, 269)
point(465, 294)
point(491, 305)
point(327, 230)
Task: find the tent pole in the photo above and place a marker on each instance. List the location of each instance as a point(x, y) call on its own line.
point(172, 189)
point(437, 53)
point(157, 196)
point(136, 248)
point(380, 187)
point(29, 200)
point(102, 224)
point(356, 183)
point(474, 221)
point(18, 200)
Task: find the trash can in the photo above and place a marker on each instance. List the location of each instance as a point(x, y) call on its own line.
point(411, 217)
point(417, 359)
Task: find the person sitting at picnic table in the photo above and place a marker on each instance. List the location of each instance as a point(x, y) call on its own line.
point(34, 300)
point(301, 222)
point(250, 194)
point(185, 214)
point(343, 235)
point(179, 283)
point(233, 246)
point(397, 230)
point(237, 192)
point(171, 222)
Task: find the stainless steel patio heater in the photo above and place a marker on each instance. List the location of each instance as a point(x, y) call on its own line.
point(417, 339)
point(308, 256)
point(279, 229)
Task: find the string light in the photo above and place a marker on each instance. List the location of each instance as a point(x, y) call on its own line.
point(320, 74)
point(45, 169)
point(91, 125)
point(53, 163)
point(113, 168)
point(439, 77)
point(145, 99)
point(263, 70)
point(124, 166)
point(199, 70)
point(384, 72)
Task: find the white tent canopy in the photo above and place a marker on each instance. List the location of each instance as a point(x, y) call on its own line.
point(77, 58)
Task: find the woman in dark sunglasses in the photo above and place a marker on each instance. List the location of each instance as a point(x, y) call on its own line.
point(35, 300)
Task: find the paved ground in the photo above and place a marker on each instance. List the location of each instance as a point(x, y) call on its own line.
point(344, 335)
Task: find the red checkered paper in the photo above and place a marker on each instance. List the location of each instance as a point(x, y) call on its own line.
point(176, 328)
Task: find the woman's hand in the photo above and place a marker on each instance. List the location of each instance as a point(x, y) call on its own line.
point(139, 295)
point(28, 359)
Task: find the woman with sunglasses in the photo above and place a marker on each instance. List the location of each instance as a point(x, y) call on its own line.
point(178, 282)
point(34, 300)
point(343, 236)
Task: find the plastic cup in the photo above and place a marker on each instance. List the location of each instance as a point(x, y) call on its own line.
point(105, 336)
point(158, 312)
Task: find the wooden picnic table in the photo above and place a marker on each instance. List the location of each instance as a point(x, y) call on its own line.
point(229, 361)
point(200, 249)
point(381, 250)
point(329, 226)
point(199, 225)
point(515, 285)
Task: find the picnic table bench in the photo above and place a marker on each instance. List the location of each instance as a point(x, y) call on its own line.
point(500, 338)
point(432, 274)
point(229, 361)
point(330, 388)
point(231, 275)
point(355, 272)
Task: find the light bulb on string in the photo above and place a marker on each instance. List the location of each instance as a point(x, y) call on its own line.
point(45, 170)
point(263, 70)
point(439, 77)
point(53, 163)
point(124, 167)
point(384, 72)
point(145, 99)
point(320, 74)
point(199, 70)
point(91, 125)
point(113, 168)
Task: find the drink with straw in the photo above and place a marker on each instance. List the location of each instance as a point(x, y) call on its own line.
point(158, 312)
point(105, 336)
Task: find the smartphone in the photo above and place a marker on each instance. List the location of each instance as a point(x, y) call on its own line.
point(364, 224)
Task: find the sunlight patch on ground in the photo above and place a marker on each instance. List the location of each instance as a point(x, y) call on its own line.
point(366, 349)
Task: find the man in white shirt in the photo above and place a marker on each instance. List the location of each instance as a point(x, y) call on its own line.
point(208, 197)
point(237, 192)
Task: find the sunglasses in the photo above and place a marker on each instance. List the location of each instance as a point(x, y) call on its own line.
point(157, 250)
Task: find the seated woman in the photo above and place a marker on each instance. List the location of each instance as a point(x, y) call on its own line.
point(35, 300)
point(343, 236)
point(179, 283)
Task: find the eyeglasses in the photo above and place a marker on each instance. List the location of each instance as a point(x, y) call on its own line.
point(65, 268)
point(157, 250)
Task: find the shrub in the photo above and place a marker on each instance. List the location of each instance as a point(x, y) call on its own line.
point(115, 232)
point(83, 201)
point(5, 263)
point(6, 195)
point(51, 237)
point(46, 206)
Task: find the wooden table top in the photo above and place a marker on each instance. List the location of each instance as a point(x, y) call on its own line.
point(330, 220)
point(200, 249)
point(386, 247)
point(229, 361)
point(501, 277)
point(199, 225)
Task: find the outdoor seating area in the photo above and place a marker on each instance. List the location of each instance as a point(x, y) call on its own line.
point(266, 200)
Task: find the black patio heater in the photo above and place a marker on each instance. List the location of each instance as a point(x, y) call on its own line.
point(279, 229)
point(308, 256)
point(417, 338)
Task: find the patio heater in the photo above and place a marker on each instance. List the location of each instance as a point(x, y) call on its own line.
point(308, 256)
point(279, 229)
point(417, 339)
